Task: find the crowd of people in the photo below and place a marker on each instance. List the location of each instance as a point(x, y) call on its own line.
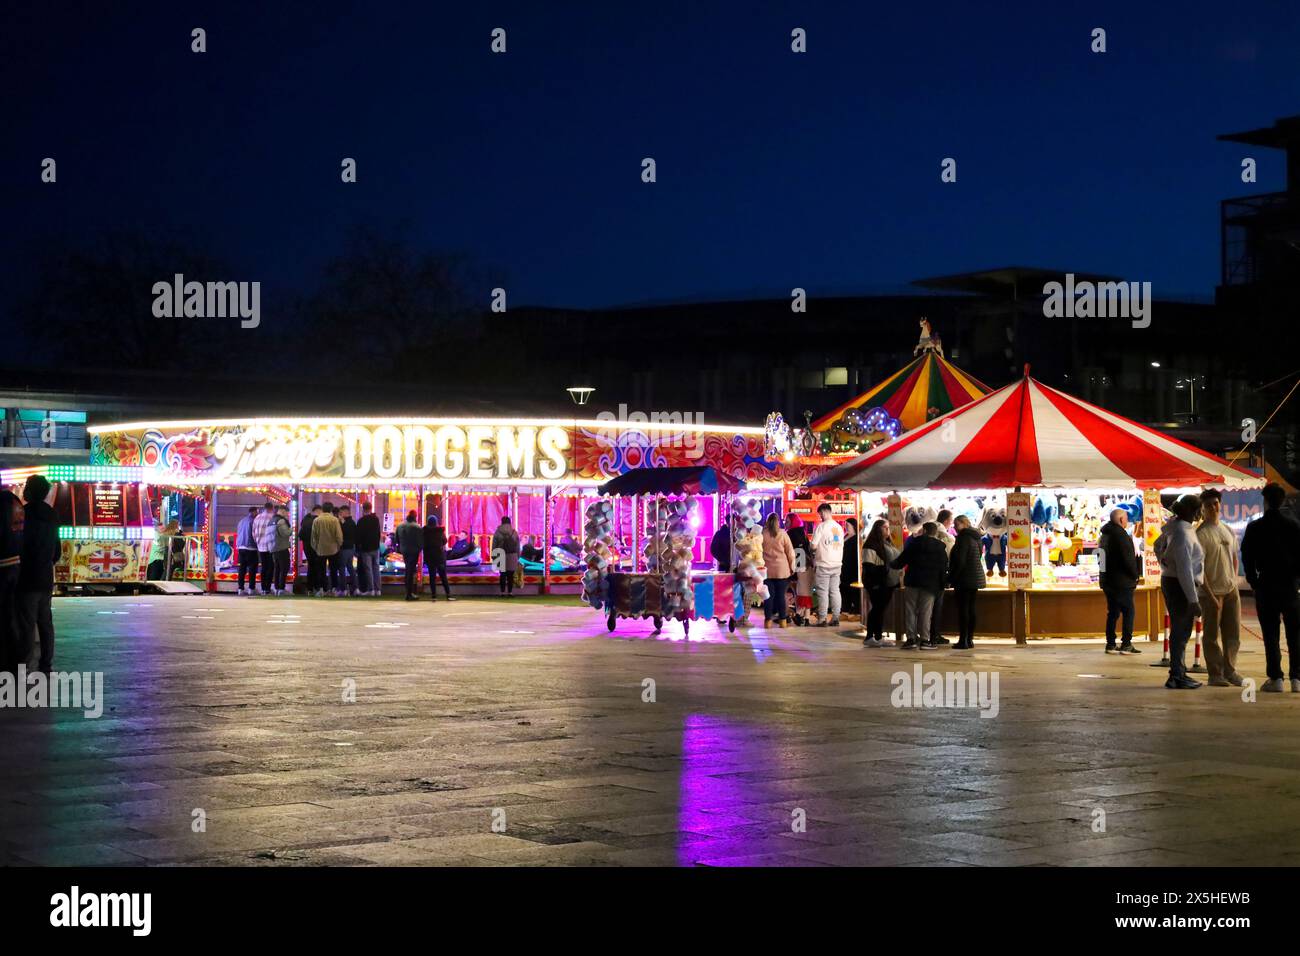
point(1199, 573)
point(820, 569)
point(343, 554)
point(811, 576)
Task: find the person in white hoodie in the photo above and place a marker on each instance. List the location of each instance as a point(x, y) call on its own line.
point(1182, 572)
point(828, 556)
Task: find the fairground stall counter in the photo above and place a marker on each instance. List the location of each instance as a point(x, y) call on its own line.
point(111, 520)
point(664, 580)
point(470, 472)
point(1038, 472)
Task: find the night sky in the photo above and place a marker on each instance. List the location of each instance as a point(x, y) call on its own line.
point(774, 169)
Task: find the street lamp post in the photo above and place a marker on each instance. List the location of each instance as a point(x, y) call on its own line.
point(1191, 389)
point(579, 394)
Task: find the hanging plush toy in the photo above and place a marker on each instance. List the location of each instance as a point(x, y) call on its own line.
point(747, 539)
point(673, 554)
point(597, 555)
point(1045, 511)
point(1133, 506)
point(994, 521)
point(914, 516)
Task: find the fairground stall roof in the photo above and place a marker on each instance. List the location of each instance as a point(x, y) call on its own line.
point(701, 480)
point(1030, 435)
point(405, 451)
point(925, 388)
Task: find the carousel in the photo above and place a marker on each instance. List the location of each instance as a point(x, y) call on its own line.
point(922, 390)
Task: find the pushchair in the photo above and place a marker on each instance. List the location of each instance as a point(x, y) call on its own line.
point(799, 609)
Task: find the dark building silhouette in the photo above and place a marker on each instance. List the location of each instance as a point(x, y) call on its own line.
point(1200, 368)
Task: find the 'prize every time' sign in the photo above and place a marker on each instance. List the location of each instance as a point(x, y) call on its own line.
point(1020, 547)
point(1152, 515)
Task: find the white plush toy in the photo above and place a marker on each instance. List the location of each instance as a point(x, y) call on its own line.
point(596, 551)
point(747, 539)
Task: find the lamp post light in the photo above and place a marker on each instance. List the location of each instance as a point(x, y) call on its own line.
point(580, 393)
point(1191, 380)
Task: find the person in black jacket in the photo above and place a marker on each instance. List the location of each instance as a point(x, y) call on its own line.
point(966, 575)
point(720, 547)
point(435, 557)
point(41, 550)
point(11, 555)
point(369, 534)
point(925, 561)
point(850, 578)
point(1119, 578)
point(1270, 560)
point(315, 564)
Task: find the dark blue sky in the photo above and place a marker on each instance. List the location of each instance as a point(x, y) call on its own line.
point(775, 169)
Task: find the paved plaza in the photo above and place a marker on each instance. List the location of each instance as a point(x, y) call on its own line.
point(490, 732)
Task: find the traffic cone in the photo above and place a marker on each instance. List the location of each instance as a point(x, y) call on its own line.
point(1197, 667)
point(1164, 661)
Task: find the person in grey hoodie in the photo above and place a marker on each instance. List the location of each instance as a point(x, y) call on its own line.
point(283, 541)
point(1182, 569)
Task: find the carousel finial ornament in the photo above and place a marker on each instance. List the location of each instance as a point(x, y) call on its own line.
point(928, 342)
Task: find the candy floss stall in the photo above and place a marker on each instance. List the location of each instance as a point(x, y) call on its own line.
point(471, 472)
point(1038, 472)
point(663, 580)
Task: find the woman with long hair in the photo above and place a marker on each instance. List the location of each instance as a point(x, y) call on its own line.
point(778, 558)
point(849, 591)
point(880, 579)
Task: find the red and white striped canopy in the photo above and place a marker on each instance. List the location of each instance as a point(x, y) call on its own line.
point(1033, 436)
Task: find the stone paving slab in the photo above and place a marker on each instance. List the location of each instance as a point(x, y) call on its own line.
point(778, 748)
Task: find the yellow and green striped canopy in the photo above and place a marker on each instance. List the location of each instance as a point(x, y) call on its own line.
point(929, 386)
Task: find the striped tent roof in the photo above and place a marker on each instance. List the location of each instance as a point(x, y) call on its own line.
point(928, 382)
point(1030, 435)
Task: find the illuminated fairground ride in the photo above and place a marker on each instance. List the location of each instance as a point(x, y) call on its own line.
point(470, 472)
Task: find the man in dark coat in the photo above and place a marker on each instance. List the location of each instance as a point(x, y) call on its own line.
point(11, 555)
point(925, 561)
point(435, 557)
point(966, 575)
point(315, 566)
point(410, 542)
point(1270, 559)
point(369, 534)
point(41, 551)
point(1119, 578)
